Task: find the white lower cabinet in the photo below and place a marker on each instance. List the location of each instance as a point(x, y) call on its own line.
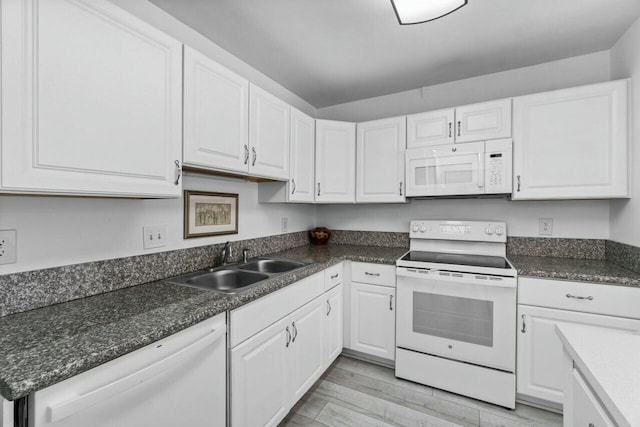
point(273, 368)
point(307, 347)
point(373, 320)
point(543, 304)
point(261, 367)
point(333, 333)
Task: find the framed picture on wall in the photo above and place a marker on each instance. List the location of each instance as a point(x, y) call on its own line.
point(210, 214)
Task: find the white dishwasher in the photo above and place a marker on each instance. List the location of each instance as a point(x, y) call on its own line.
point(177, 381)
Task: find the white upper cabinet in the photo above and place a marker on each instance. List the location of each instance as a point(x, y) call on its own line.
point(432, 128)
point(487, 120)
point(91, 101)
point(571, 143)
point(216, 115)
point(302, 157)
point(380, 161)
point(335, 162)
point(268, 135)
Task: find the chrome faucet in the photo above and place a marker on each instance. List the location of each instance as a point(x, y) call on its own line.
point(226, 253)
point(245, 255)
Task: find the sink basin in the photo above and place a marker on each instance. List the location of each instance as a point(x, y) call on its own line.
point(226, 280)
point(271, 265)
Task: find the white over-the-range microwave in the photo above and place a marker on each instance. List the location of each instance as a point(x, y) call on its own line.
point(472, 168)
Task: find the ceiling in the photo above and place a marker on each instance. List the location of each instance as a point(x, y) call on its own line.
point(334, 51)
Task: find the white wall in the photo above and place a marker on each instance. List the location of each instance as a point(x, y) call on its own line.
point(568, 72)
point(575, 219)
point(625, 62)
point(55, 231)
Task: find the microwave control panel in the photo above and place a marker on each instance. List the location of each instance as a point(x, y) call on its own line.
point(498, 166)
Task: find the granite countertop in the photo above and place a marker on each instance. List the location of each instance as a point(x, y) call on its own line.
point(609, 362)
point(41, 347)
point(580, 270)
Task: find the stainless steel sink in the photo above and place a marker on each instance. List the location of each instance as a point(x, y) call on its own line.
point(226, 280)
point(234, 278)
point(271, 265)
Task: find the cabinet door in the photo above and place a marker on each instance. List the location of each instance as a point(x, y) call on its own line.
point(307, 361)
point(91, 101)
point(216, 115)
point(380, 161)
point(373, 320)
point(571, 143)
point(260, 370)
point(333, 324)
point(539, 350)
point(268, 135)
point(479, 122)
point(586, 409)
point(302, 157)
point(335, 162)
point(432, 128)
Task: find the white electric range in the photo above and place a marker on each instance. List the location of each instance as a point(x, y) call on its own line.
point(456, 310)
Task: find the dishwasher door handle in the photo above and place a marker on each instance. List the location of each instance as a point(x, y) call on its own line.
point(79, 402)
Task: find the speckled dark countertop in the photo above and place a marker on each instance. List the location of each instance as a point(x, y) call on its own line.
point(580, 270)
point(41, 347)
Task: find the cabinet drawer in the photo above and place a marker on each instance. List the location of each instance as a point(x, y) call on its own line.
point(375, 274)
point(579, 296)
point(333, 276)
point(249, 319)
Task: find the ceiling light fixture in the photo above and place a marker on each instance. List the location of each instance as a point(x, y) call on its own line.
point(419, 11)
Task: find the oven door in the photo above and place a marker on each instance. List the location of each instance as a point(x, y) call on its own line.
point(455, 169)
point(459, 316)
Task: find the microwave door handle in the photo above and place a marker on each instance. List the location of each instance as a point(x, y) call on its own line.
point(481, 169)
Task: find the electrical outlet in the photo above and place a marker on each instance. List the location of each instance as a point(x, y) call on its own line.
point(8, 249)
point(284, 224)
point(154, 236)
point(545, 226)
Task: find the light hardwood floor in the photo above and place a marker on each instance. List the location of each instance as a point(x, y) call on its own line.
point(355, 393)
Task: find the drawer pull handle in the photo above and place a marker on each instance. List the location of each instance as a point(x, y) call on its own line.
point(391, 302)
point(295, 332)
point(372, 274)
point(589, 298)
point(288, 337)
point(328, 307)
point(335, 276)
point(524, 325)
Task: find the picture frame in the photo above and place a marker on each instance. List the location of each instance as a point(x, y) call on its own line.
point(210, 214)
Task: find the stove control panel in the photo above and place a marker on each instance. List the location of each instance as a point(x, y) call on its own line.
point(480, 231)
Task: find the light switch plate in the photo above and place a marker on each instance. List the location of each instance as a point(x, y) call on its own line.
point(154, 236)
point(545, 226)
point(8, 246)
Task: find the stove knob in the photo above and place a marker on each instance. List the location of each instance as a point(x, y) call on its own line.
point(489, 230)
point(415, 228)
point(423, 229)
point(499, 231)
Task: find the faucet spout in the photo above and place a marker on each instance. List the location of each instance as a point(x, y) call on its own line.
point(226, 253)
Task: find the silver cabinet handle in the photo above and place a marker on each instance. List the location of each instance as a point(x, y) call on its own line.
point(524, 326)
point(335, 276)
point(178, 173)
point(295, 331)
point(246, 154)
point(372, 274)
point(255, 156)
point(293, 183)
point(591, 425)
point(589, 298)
point(318, 189)
point(401, 188)
point(449, 129)
point(288, 337)
point(328, 307)
point(518, 178)
point(459, 123)
point(391, 302)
